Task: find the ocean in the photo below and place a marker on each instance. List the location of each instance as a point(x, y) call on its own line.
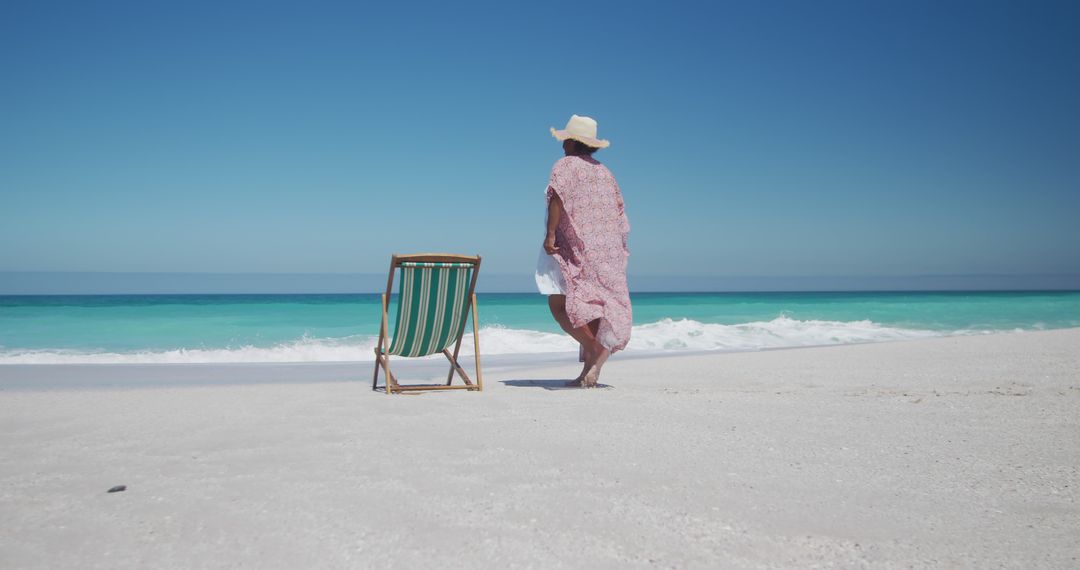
point(334, 328)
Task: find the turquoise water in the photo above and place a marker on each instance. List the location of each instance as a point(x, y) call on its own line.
point(242, 328)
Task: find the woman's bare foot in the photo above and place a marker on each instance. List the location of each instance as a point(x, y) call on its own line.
point(589, 360)
point(592, 377)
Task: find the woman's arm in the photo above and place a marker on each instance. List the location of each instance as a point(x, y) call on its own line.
point(554, 213)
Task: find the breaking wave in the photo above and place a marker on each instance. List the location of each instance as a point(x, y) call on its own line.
point(666, 335)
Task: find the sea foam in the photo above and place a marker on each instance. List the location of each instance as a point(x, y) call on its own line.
point(666, 335)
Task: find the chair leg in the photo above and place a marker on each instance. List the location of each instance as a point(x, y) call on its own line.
point(380, 348)
point(453, 360)
point(389, 377)
point(476, 346)
point(375, 378)
point(456, 367)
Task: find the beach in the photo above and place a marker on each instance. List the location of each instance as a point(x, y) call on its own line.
point(955, 451)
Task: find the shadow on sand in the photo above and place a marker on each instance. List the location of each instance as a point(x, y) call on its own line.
point(547, 384)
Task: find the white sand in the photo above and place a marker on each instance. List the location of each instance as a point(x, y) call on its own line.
point(930, 453)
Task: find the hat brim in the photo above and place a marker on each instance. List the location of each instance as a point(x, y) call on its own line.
point(563, 135)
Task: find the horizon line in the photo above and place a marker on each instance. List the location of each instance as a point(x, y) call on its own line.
point(639, 292)
point(504, 274)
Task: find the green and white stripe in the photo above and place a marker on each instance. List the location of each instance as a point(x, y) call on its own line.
point(433, 264)
point(431, 307)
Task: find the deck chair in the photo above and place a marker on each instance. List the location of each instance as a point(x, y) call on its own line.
point(435, 296)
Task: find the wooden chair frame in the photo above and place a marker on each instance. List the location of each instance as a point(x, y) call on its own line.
point(382, 358)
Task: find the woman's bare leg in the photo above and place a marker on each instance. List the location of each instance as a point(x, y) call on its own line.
point(585, 335)
point(599, 357)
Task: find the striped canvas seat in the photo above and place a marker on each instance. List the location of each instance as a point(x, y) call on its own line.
point(435, 298)
point(431, 307)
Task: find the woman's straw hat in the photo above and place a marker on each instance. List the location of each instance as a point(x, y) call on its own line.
point(580, 129)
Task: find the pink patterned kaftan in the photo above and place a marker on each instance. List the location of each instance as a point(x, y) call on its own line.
point(591, 237)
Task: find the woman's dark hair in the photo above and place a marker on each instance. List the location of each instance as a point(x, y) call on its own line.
point(582, 148)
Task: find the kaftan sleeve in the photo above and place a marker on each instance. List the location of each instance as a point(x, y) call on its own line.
point(558, 183)
point(624, 221)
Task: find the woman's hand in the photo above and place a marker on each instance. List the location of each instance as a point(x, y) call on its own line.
point(549, 244)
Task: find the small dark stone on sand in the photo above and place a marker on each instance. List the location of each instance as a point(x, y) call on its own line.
point(118, 488)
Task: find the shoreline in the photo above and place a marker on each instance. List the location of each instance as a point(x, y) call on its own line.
point(52, 376)
point(950, 451)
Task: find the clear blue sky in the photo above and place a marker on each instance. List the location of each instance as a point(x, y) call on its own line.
point(754, 138)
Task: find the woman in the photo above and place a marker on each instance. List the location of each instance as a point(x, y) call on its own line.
point(582, 267)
